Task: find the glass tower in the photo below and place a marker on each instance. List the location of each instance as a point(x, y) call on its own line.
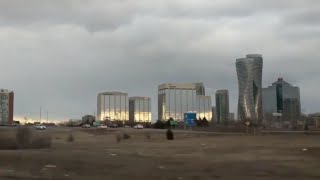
point(176, 99)
point(113, 106)
point(222, 106)
point(282, 97)
point(140, 109)
point(249, 71)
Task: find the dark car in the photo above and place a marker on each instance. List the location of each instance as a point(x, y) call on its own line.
point(114, 126)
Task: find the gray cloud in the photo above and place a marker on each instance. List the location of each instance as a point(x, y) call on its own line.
point(60, 54)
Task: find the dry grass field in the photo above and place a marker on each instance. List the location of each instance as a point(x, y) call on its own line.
point(148, 155)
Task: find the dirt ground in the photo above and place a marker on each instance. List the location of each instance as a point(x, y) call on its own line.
point(97, 155)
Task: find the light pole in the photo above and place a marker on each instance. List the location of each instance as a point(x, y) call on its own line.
point(40, 114)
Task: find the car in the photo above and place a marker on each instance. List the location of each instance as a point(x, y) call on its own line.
point(41, 127)
point(138, 126)
point(102, 127)
point(114, 126)
point(86, 126)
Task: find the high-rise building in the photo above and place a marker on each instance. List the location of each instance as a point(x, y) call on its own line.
point(249, 71)
point(291, 110)
point(232, 117)
point(6, 106)
point(140, 109)
point(176, 99)
point(214, 112)
point(113, 106)
point(222, 106)
point(282, 97)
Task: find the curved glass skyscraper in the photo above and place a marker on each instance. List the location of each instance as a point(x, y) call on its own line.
point(249, 72)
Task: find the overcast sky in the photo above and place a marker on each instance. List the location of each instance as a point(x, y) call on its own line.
point(60, 54)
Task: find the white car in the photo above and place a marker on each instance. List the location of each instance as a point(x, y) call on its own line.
point(138, 126)
point(102, 127)
point(86, 126)
point(41, 127)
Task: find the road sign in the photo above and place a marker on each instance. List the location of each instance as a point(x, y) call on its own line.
point(277, 114)
point(248, 123)
point(189, 118)
point(173, 123)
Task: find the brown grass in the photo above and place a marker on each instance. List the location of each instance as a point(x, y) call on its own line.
point(24, 139)
point(191, 156)
point(43, 142)
point(70, 138)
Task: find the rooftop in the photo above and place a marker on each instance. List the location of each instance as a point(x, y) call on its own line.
point(113, 93)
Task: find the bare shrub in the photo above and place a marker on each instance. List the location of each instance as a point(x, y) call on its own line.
point(118, 138)
point(23, 137)
point(70, 138)
point(148, 136)
point(43, 142)
point(170, 135)
point(126, 136)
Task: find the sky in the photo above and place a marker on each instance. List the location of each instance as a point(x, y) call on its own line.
point(60, 54)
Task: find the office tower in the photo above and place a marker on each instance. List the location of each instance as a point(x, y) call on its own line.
point(214, 113)
point(282, 97)
point(232, 117)
point(291, 110)
point(176, 99)
point(6, 106)
point(113, 106)
point(140, 109)
point(222, 106)
point(249, 71)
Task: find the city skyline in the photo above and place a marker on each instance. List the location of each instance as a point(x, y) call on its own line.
point(58, 56)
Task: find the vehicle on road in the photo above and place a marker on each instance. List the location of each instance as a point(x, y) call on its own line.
point(102, 127)
point(41, 127)
point(114, 126)
point(86, 126)
point(138, 126)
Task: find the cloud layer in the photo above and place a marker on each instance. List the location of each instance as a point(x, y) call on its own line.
point(60, 54)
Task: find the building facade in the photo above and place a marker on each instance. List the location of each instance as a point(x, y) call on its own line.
point(315, 119)
point(113, 106)
point(176, 99)
point(214, 112)
point(6, 106)
point(222, 106)
point(232, 117)
point(282, 97)
point(249, 72)
point(140, 109)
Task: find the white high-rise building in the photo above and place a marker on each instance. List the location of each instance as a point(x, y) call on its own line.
point(175, 99)
point(140, 109)
point(113, 106)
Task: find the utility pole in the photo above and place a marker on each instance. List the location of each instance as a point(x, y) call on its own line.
point(47, 117)
point(40, 114)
